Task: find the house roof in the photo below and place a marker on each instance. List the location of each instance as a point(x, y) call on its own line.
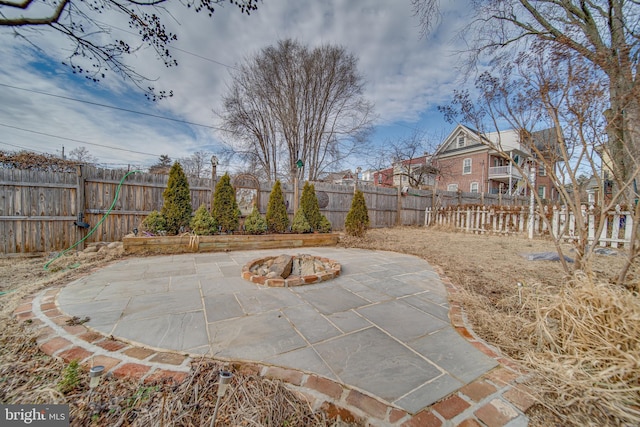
point(508, 140)
point(337, 176)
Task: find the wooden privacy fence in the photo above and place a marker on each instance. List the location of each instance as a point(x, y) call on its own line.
point(39, 209)
point(387, 207)
point(616, 229)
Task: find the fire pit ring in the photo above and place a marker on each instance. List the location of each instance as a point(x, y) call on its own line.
point(290, 270)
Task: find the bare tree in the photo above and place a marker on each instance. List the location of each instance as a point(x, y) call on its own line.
point(562, 91)
point(96, 50)
point(412, 159)
point(82, 155)
point(162, 166)
point(291, 103)
point(198, 165)
point(606, 34)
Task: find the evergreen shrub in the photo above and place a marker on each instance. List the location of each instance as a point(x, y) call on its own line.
point(276, 217)
point(325, 225)
point(357, 220)
point(154, 223)
point(225, 209)
point(300, 223)
point(309, 205)
point(177, 207)
point(203, 223)
point(255, 223)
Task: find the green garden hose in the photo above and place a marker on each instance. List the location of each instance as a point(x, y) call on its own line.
point(115, 198)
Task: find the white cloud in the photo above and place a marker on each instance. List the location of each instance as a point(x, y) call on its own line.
point(404, 75)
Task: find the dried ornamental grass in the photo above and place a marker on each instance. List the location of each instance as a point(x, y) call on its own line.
point(249, 401)
point(585, 348)
point(29, 376)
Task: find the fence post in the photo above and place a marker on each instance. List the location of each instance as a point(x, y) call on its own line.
point(605, 227)
point(616, 227)
point(399, 206)
point(80, 201)
point(591, 226)
point(628, 227)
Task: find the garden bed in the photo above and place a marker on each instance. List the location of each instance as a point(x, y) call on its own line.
point(224, 242)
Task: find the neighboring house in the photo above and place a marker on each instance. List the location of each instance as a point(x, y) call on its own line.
point(415, 173)
point(367, 177)
point(467, 162)
point(345, 177)
point(383, 177)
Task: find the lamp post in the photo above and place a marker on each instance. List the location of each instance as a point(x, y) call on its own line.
point(214, 165)
point(214, 176)
point(296, 173)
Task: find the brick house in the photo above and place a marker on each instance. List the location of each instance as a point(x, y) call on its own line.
point(415, 173)
point(466, 164)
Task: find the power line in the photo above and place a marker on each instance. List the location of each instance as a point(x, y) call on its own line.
point(111, 106)
point(23, 147)
point(77, 140)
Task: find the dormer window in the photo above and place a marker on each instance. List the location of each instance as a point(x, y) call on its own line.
point(460, 141)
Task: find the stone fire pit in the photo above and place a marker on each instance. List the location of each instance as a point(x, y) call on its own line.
point(290, 270)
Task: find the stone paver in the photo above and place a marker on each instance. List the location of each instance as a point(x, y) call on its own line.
point(377, 340)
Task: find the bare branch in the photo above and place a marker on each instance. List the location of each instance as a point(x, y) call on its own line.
point(44, 20)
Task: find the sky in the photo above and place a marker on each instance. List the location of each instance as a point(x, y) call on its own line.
point(406, 77)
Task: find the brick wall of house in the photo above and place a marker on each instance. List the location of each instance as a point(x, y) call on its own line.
point(452, 171)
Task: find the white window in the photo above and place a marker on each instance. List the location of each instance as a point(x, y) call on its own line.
point(452, 187)
point(466, 166)
point(460, 141)
point(474, 187)
point(542, 191)
point(542, 171)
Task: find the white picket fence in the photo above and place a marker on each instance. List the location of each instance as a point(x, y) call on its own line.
point(615, 232)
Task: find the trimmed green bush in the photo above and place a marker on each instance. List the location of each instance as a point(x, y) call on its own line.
point(357, 220)
point(177, 200)
point(309, 204)
point(203, 223)
point(325, 225)
point(277, 219)
point(300, 223)
point(225, 209)
point(154, 223)
point(255, 223)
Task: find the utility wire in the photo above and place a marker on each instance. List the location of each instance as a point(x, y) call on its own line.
point(111, 106)
point(78, 140)
point(23, 147)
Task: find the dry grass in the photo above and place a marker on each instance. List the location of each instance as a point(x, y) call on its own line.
point(250, 400)
point(585, 350)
